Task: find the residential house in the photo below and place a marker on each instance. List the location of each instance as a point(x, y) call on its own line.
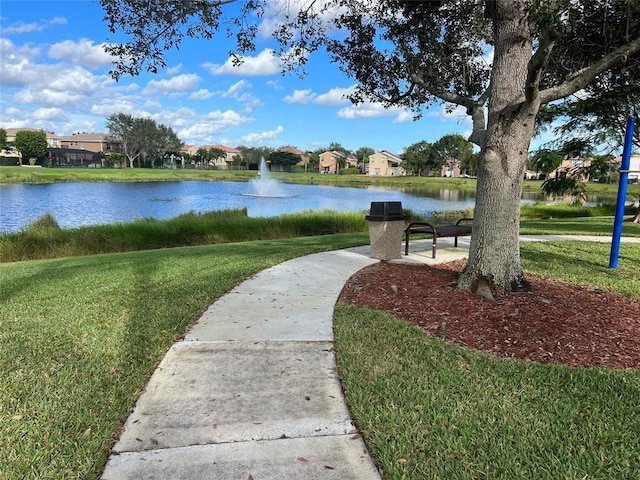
point(533, 175)
point(188, 149)
point(352, 162)
point(52, 139)
point(385, 164)
point(329, 161)
point(634, 167)
point(451, 168)
point(332, 161)
point(93, 142)
point(83, 150)
point(569, 164)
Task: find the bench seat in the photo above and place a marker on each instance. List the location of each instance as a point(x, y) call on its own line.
point(428, 228)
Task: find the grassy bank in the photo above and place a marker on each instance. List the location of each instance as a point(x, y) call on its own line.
point(51, 175)
point(43, 238)
point(431, 409)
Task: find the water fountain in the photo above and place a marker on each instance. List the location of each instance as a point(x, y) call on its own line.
point(264, 185)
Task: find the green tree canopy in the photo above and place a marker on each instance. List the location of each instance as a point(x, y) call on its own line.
point(31, 144)
point(546, 161)
point(454, 147)
point(142, 137)
point(419, 158)
point(280, 157)
point(3, 139)
point(253, 155)
point(363, 153)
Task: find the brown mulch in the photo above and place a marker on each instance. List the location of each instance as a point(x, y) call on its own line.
point(556, 322)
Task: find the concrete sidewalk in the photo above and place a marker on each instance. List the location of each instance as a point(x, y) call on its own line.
point(252, 392)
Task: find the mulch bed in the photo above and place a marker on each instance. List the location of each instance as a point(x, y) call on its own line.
point(556, 322)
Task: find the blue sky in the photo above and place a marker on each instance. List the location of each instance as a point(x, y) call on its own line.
point(54, 75)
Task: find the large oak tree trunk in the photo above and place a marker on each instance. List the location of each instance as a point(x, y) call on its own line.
point(494, 256)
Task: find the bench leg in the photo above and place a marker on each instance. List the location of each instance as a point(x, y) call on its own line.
point(433, 247)
point(455, 242)
point(406, 243)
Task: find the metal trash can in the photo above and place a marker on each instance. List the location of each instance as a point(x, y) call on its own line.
point(386, 227)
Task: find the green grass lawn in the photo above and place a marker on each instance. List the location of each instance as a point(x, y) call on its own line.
point(429, 409)
point(599, 226)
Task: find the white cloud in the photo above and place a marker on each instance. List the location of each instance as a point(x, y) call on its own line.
point(265, 63)
point(201, 94)
point(12, 111)
point(58, 21)
point(83, 52)
point(14, 72)
point(22, 27)
point(76, 80)
point(448, 113)
point(174, 70)
point(335, 96)
point(112, 105)
point(258, 138)
point(275, 84)
point(238, 91)
point(403, 116)
point(300, 96)
point(57, 114)
point(179, 83)
point(374, 110)
point(235, 90)
point(17, 67)
point(203, 129)
point(47, 96)
point(175, 118)
point(150, 104)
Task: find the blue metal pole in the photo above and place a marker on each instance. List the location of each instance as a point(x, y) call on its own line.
point(622, 195)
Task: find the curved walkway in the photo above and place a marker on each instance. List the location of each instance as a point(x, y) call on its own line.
point(252, 392)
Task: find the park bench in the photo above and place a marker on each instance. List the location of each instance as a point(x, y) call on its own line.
point(428, 228)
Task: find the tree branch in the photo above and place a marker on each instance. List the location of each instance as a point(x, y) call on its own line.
point(475, 108)
point(538, 61)
point(581, 78)
point(441, 94)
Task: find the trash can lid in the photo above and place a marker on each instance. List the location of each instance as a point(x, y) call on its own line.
point(383, 211)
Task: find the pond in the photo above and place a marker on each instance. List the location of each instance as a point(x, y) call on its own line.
point(78, 204)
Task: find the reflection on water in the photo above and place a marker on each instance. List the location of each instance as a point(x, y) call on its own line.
point(76, 204)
